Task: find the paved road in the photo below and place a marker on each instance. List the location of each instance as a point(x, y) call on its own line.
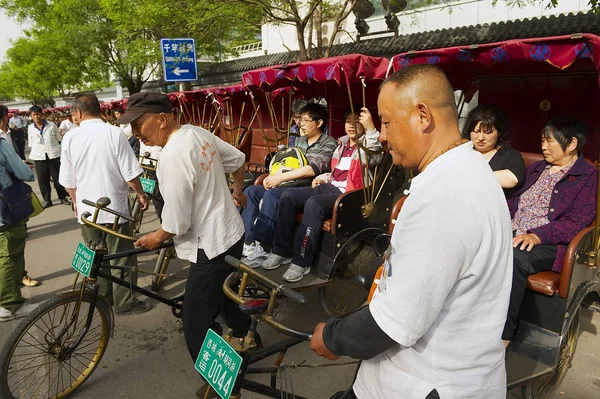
point(147, 356)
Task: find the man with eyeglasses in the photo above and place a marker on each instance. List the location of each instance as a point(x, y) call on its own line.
point(260, 219)
point(295, 128)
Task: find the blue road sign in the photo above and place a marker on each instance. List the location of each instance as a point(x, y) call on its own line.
point(179, 60)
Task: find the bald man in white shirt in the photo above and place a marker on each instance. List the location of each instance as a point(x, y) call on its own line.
point(433, 329)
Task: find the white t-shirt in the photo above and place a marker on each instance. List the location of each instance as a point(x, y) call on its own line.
point(127, 130)
point(154, 152)
point(199, 208)
point(17, 122)
point(44, 141)
point(66, 126)
point(444, 295)
point(98, 161)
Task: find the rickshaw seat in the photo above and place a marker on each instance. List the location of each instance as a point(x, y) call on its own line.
point(549, 282)
point(546, 283)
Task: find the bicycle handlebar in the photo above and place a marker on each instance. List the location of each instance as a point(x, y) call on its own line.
point(102, 206)
point(287, 291)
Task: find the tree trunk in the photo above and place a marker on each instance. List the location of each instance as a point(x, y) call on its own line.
point(318, 16)
point(302, 56)
point(310, 35)
point(340, 17)
point(133, 85)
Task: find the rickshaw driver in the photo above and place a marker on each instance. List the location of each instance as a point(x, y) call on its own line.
point(198, 213)
point(433, 327)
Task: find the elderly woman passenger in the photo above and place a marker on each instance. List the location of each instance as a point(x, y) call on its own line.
point(487, 127)
point(557, 201)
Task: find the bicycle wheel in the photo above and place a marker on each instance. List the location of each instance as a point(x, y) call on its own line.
point(547, 385)
point(342, 294)
point(35, 361)
point(162, 263)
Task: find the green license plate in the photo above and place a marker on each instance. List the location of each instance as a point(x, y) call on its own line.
point(148, 185)
point(219, 364)
point(83, 259)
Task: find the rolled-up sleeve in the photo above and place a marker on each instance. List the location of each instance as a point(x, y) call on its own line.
point(128, 162)
point(66, 177)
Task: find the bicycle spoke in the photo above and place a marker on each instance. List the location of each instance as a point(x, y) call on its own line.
point(42, 346)
point(34, 374)
point(42, 382)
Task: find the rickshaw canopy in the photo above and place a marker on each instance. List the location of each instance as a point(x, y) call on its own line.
point(522, 56)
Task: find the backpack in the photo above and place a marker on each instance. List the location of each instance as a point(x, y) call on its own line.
point(288, 159)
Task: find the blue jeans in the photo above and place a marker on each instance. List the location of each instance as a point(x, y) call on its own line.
point(260, 224)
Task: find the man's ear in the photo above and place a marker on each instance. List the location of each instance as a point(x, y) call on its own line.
point(320, 123)
point(163, 119)
point(424, 115)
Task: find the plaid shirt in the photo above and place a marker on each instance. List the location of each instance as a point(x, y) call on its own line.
point(319, 153)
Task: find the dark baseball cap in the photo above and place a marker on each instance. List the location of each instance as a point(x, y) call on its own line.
point(140, 103)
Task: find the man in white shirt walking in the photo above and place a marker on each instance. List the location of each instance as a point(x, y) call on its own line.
point(199, 213)
point(434, 325)
point(67, 124)
point(44, 141)
point(98, 162)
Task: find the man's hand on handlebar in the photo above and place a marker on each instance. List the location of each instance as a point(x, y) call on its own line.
point(153, 240)
point(317, 344)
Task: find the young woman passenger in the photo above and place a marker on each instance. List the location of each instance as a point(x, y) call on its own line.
point(487, 127)
point(557, 201)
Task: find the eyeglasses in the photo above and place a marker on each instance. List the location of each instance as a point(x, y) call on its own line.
point(306, 120)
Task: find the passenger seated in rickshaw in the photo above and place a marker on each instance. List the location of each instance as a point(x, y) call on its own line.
point(296, 118)
point(557, 200)
point(259, 219)
point(318, 202)
point(487, 127)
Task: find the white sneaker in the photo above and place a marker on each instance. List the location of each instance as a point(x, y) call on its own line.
point(248, 249)
point(295, 273)
point(5, 314)
point(258, 252)
point(24, 310)
point(274, 261)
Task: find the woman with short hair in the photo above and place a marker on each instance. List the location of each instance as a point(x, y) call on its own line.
point(487, 127)
point(557, 201)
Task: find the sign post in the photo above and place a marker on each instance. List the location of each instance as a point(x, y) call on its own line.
point(179, 60)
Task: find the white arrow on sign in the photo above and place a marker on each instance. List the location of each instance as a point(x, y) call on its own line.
point(178, 71)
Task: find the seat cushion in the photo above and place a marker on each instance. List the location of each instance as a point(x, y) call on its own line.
point(544, 282)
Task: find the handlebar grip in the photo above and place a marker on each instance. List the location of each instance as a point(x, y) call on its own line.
point(233, 261)
point(89, 203)
point(293, 295)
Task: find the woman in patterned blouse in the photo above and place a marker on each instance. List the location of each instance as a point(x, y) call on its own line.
point(557, 201)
